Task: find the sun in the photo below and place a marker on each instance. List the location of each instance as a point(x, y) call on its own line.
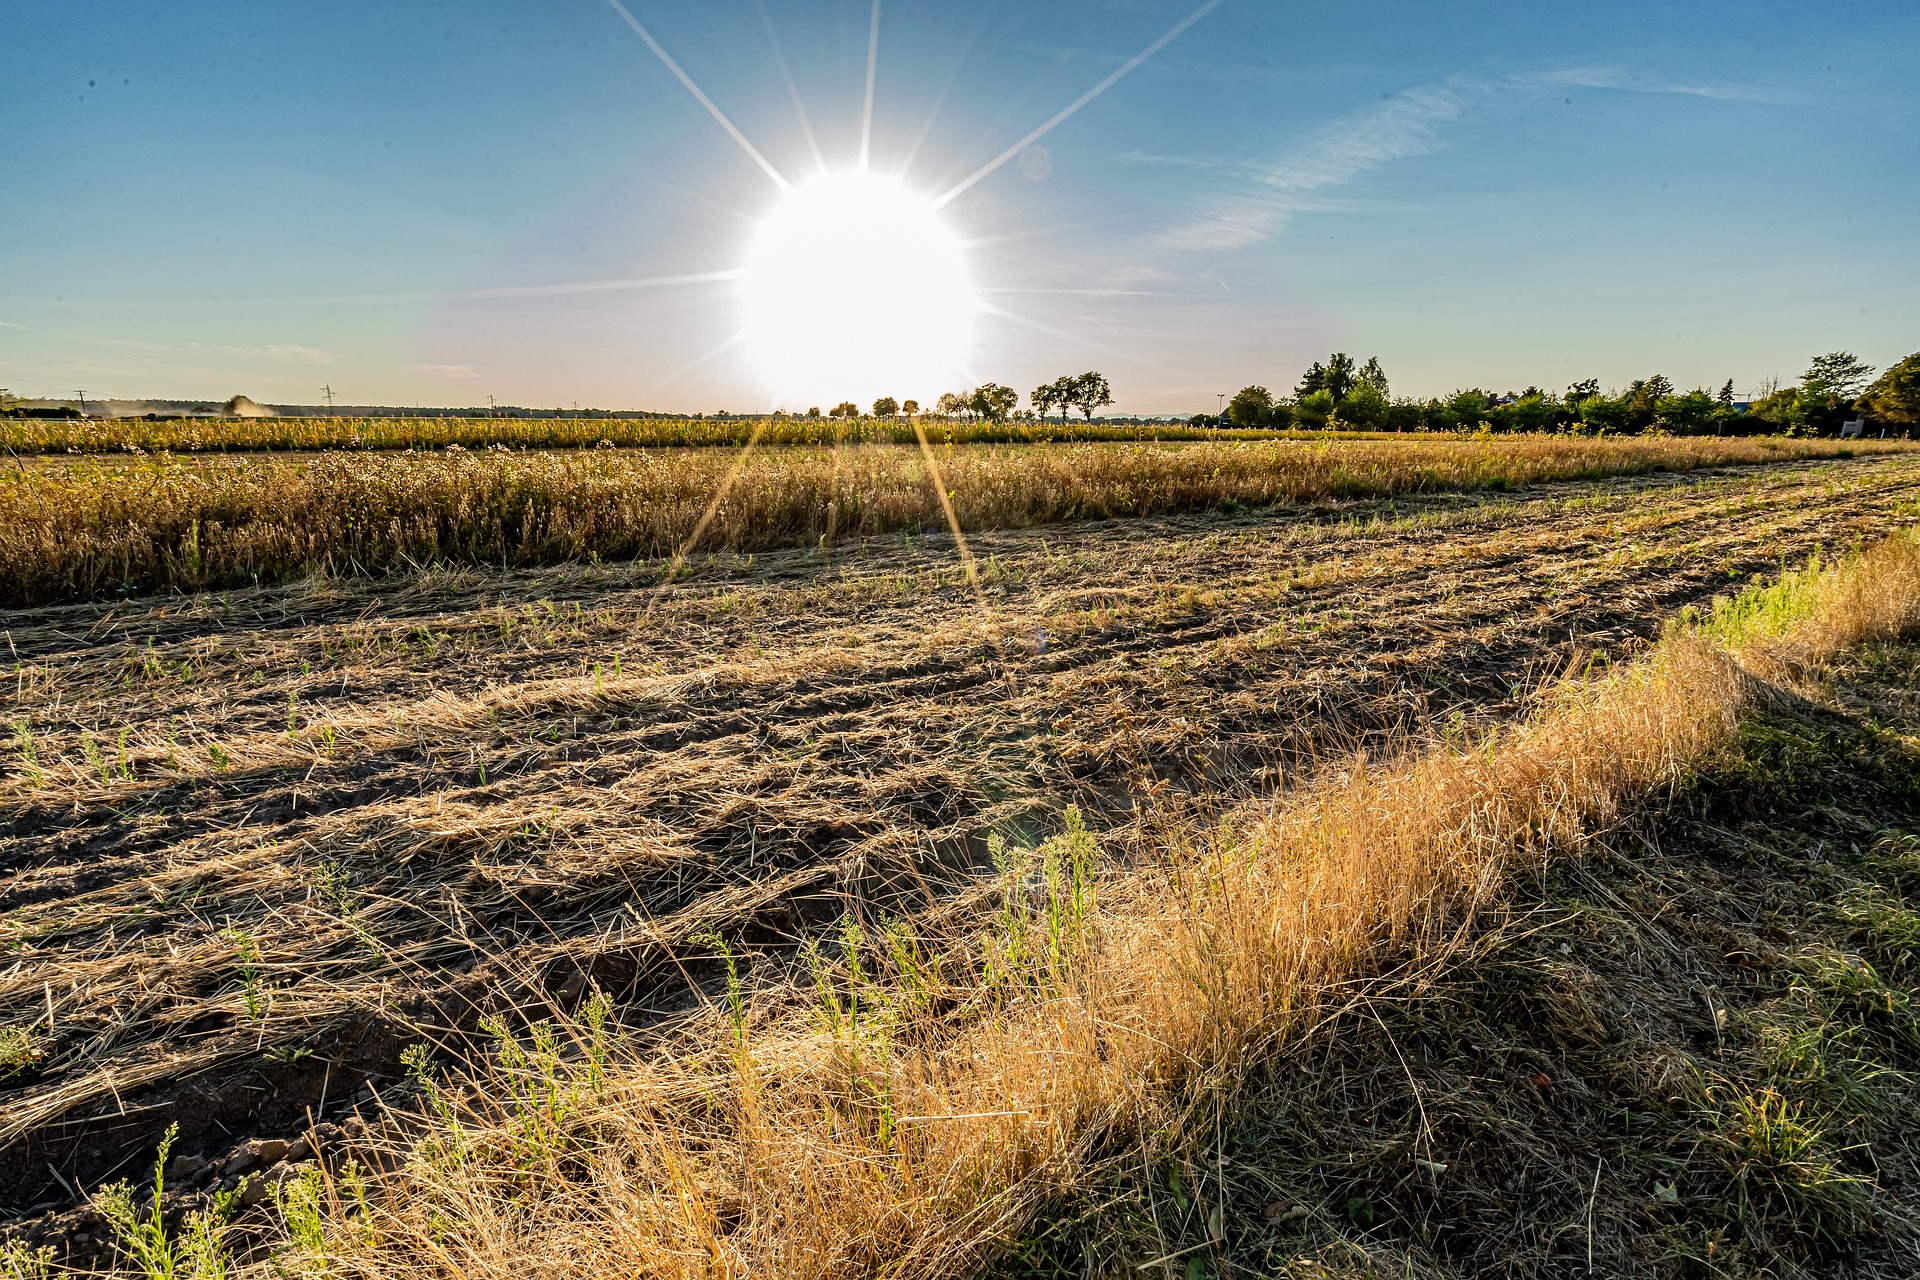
point(855, 288)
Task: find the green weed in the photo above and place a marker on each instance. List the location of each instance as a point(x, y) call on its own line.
point(28, 747)
point(198, 1253)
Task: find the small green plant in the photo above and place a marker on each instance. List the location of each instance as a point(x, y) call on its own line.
point(18, 1052)
point(18, 1261)
point(451, 1142)
point(247, 952)
point(293, 714)
point(1781, 1159)
point(221, 760)
point(199, 1253)
point(736, 995)
point(333, 886)
point(302, 1205)
point(95, 760)
point(1038, 954)
point(28, 747)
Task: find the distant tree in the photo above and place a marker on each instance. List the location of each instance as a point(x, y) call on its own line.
point(1366, 405)
point(1643, 399)
point(993, 402)
point(814, 412)
point(1685, 415)
point(1467, 409)
point(951, 405)
point(1314, 379)
point(1314, 409)
point(1409, 414)
point(1585, 389)
point(910, 407)
point(1603, 415)
point(885, 407)
point(1340, 375)
point(846, 409)
point(1725, 398)
point(1896, 396)
point(1836, 376)
point(1089, 392)
point(1374, 376)
point(1251, 407)
point(1053, 395)
point(1779, 407)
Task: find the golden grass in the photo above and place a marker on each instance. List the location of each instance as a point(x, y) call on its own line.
point(893, 1115)
point(76, 530)
point(266, 435)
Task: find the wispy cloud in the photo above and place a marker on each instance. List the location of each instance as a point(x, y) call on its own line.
point(1411, 124)
point(454, 372)
point(286, 353)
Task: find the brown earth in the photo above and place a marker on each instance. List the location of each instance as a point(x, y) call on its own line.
point(263, 841)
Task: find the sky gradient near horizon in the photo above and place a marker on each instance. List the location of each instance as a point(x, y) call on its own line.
point(434, 202)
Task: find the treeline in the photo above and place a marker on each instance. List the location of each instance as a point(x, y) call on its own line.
point(1340, 393)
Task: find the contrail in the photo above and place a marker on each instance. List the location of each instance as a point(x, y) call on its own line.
point(866, 111)
point(590, 286)
point(1079, 102)
point(429, 295)
point(694, 89)
point(793, 90)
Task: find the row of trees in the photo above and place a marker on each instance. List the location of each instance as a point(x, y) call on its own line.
point(993, 402)
point(1340, 392)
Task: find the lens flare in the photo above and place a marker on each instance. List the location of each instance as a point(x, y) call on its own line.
point(854, 289)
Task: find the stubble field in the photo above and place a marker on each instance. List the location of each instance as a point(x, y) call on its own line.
point(260, 841)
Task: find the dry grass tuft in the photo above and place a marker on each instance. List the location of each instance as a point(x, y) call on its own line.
point(905, 1101)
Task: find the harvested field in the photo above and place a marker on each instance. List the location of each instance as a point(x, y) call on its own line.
point(260, 842)
point(92, 529)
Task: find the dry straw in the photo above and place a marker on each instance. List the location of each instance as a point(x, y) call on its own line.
point(890, 1113)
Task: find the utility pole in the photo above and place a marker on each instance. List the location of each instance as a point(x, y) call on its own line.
point(83, 402)
point(327, 391)
point(490, 406)
point(1222, 410)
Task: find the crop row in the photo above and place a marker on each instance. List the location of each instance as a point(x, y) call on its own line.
point(91, 528)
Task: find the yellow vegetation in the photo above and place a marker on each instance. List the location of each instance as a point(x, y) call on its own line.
point(89, 528)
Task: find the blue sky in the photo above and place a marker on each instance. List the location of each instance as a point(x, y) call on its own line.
point(428, 203)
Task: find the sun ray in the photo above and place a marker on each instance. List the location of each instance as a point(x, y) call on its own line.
point(866, 109)
point(940, 99)
point(711, 353)
point(1061, 116)
point(706, 517)
point(793, 90)
point(1024, 321)
point(1030, 233)
point(953, 521)
point(719, 116)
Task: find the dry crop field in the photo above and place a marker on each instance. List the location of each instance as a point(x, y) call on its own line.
point(262, 840)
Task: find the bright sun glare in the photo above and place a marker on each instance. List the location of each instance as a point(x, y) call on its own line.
point(855, 289)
